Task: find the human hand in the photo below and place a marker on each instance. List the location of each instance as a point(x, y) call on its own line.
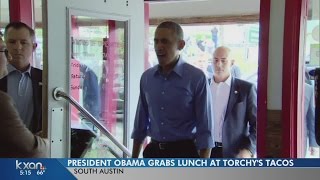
point(244, 153)
point(314, 151)
point(39, 133)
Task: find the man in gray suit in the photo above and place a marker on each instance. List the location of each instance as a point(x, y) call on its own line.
point(16, 140)
point(235, 110)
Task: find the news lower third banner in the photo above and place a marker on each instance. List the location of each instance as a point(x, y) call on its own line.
point(104, 168)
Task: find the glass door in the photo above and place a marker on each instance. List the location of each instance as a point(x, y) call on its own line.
point(87, 49)
point(309, 146)
point(97, 81)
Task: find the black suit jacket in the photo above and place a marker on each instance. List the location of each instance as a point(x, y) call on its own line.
point(239, 127)
point(36, 78)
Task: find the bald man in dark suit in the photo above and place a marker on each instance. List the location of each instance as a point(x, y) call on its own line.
point(235, 110)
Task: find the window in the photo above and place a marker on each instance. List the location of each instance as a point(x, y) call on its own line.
point(201, 41)
point(97, 80)
point(38, 55)
point(4, 14)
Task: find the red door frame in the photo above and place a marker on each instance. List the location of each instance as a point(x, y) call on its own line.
point(21, 10)
point(111, 65)
point(295, 10)
point(262, 93)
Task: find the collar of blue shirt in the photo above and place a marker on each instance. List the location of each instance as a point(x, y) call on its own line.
point(178, 68)
point(12, 68)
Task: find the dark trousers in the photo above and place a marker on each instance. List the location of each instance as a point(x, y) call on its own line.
point(177, 149)
point(216, 152)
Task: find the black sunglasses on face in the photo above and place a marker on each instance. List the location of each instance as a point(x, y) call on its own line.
point(4, 50)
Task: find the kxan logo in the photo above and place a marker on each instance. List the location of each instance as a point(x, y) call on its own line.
point(27, 167)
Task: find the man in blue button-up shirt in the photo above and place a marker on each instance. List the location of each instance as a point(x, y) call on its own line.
point(174, 106)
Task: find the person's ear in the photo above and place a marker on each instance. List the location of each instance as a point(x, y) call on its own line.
point(8, 55)
point(232, 61)
point(181, 44)
point(34, 46)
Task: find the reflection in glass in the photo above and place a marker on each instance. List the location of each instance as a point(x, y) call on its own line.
point(97, 81)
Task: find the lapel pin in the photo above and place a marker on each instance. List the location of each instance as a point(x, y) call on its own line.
point(236, 92)
point(40, 83)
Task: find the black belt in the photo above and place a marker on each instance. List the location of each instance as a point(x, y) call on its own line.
point(172, 144)
point(218, 144)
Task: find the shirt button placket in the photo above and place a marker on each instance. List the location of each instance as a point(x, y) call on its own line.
point(162, 107)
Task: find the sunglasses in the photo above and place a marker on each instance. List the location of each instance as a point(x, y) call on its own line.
point(5, 52)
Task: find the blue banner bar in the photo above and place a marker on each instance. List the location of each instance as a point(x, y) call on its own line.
point(184, 162)
point(59, 168)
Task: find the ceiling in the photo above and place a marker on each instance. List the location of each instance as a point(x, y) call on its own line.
point(186, 8)
point(198, 8)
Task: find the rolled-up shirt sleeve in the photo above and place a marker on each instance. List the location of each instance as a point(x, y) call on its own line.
point(204, 116)
point(141, 121)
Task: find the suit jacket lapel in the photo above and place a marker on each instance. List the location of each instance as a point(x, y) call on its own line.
point(37, 99)
point(233, 96)
point(4, 84)
point(35, 87)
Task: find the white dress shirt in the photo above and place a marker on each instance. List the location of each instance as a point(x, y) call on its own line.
point(220, 96)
